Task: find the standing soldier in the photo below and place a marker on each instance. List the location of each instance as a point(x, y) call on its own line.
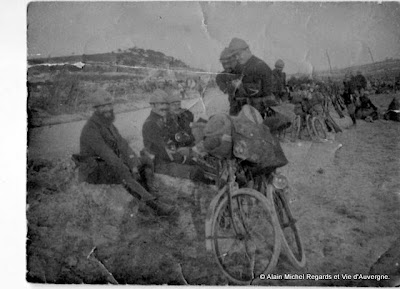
point(256, 77)
point(157, 142)
point(279, 81)
point(359, 83)
point(227, 79)
point(106, 158)
point(349, 96)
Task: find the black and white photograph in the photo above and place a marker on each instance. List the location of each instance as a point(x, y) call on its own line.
point(213, 143)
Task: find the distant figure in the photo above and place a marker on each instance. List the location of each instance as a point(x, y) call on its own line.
point(256, 77)
point(349, 97)
point(279, 81)
point(366, 109)
point(106, 158)
point(393, 111)
point(229, 79)
point(359, 83)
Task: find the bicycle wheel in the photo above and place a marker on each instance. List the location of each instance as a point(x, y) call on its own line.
point(296, 125)
point(318, 128)
point(310, 130)
point(291, 241)
point(246, 242)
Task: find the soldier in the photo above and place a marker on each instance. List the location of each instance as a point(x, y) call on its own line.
point(359, 83)
point(349, 96)
point(366, 109)
point(279, 81)
point(156, 139)
point(106, 158)
point(178, 122)
point(256, 77)
point(227, 80)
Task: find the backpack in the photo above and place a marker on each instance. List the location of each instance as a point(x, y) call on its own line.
point(251, 140)
point(255, 143)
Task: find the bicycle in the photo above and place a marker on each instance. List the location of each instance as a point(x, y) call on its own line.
point(245, 227)
point(314, 125)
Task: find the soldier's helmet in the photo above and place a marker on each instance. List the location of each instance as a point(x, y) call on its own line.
point(174, 96)
point(226, 54)
point(102, 97)
point(237, 45)
point(279, 63)
point(159, 96)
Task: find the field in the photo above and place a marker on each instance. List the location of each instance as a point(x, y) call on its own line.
point(346, 195)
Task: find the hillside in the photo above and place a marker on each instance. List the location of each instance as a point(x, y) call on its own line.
point(386, 70)
point(132, 57)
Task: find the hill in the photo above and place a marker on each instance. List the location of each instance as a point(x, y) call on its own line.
point(131, 57)
point(385, 70)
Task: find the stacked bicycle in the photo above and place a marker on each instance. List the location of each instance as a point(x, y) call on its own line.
point(249, 222)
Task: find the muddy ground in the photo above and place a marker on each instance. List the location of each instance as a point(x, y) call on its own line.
point(346, 196)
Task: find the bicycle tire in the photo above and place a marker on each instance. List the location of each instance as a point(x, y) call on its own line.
point(291, 240)
point(296, 126)
point(330, 122)
point(243, 266)
point(310, 128)
point(318, 128)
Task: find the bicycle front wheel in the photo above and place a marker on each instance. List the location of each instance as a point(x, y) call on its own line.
point(245, 236)
point(291, 241)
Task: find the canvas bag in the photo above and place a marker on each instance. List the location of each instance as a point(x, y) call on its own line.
point(255, 143)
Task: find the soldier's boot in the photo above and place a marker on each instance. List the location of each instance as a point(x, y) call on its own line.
point(161, 209)
point(150, 181)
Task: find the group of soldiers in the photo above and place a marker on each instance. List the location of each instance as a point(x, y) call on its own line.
point(355, 97)
point(106, 158)
point(169, 144)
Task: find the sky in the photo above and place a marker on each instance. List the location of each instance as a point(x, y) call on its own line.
point(300, 33)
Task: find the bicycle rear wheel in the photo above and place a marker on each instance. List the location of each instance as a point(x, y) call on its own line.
point(245, 243)
point(291, 241)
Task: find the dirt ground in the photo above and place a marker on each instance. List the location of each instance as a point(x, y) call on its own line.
point(346, 197)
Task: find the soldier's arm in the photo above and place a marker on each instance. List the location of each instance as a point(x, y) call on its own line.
point(129, 157)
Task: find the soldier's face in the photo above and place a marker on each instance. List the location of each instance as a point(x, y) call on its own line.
point(160, 108)
point(175, 107)
point(107, 111)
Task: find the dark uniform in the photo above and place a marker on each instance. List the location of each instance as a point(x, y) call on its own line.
point(106, 158)
point(348, 98)
point(279, 83)
point(179, 130)
point(257, 84)
point(366, 109)
point(156, 140)
point(224, 82)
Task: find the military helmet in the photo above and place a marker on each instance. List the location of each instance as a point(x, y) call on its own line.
point(279, 63)
point(237, 45)
point(226, 54)
point(174, 96)
point(159, 96)
point(102, 97)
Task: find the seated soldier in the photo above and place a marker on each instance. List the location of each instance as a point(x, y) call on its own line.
point(156, 139)
point(393, 111)
point(106, 158)
point(178, 122)
point(365, 109)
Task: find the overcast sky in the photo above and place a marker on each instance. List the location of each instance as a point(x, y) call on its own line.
point(196, 32)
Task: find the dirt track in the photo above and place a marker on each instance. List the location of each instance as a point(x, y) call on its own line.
point(347, 199)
